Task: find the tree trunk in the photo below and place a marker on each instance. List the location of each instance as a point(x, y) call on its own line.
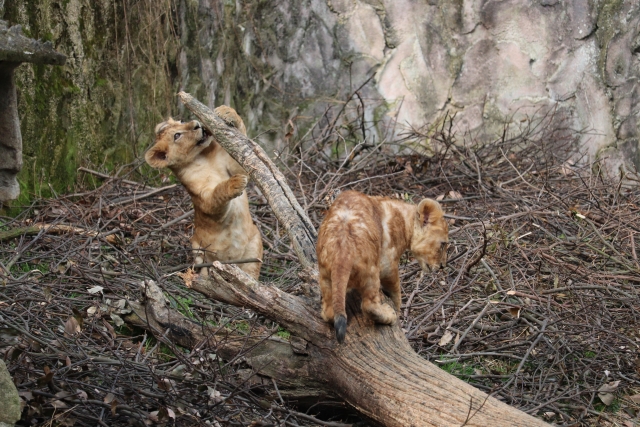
point(375, 370)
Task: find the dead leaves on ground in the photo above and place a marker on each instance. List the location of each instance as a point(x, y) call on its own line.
point(188, 277)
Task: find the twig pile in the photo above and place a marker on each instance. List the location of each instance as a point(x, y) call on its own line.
point(74, 360)
point(539, 303)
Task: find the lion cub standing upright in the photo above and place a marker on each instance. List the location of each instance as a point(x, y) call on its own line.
point(223, 228)
point(360, 243)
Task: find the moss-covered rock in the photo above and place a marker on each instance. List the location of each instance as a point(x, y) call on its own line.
point(128, 59)
point(99, 107)
point(280, 63)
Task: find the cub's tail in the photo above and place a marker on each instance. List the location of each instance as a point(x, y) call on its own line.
point(340, 273)
point(340, 323)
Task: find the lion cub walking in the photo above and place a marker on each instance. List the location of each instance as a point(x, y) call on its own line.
point(359, 247)
point(223, 228)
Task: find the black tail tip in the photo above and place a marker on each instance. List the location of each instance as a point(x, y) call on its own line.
point(340, 324)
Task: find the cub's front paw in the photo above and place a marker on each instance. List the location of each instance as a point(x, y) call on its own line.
point(237, 184)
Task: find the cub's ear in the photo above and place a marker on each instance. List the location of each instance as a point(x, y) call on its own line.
point(161, 126)
point(428, 212)
point(156, 157)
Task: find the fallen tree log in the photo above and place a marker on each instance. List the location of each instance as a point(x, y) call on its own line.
point(274, 358)
point(375, 370)
point(53, 229)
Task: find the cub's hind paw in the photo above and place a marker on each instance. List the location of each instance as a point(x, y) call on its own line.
point(237, 184)
point(381, 313)
point(327, 313)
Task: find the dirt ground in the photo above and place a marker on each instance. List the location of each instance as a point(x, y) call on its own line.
point(538, 305)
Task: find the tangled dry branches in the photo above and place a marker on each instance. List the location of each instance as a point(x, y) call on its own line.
point(539, 303)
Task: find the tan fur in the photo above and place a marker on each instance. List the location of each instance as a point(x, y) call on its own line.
point(223, 228)
point(360, 243)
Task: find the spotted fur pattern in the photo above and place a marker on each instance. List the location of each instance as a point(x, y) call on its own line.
point(360, 243)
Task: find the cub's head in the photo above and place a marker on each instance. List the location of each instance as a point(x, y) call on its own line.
point(177, 144)
point(430, 236)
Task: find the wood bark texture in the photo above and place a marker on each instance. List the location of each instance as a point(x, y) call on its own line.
point(375, 370)
point(274, 358)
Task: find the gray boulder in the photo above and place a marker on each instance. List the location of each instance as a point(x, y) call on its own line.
point(9, 399)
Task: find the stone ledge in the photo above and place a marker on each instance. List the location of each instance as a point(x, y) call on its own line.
point(16, 47)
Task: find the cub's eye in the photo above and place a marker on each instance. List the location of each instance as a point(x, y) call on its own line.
point(176, 136)
point(197, 126)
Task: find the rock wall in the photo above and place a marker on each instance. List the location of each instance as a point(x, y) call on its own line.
point(491, 60)
point(281, 62)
